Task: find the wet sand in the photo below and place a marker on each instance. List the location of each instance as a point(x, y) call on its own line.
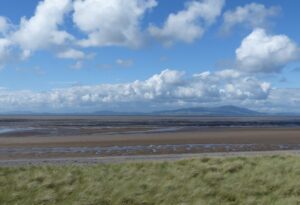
point(195, 136)
point(194, 140)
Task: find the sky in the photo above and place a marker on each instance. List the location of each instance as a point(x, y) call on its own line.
point(146, 55)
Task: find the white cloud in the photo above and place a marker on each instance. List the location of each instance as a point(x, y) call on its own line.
point(6, 44)
point(5, 51)
point(42, 30)
point(231, 84)
point(71, 54)
point(189, 24)
point(229, 73)
point(278, 102)
point(111, 23)
point(168, 88)
point(260, 52)
point(251, 15)
point(5, 25)
point(124, 62)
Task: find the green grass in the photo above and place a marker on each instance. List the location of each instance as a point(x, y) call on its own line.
point(250, 180)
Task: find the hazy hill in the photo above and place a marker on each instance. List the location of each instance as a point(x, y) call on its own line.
point(211, 111)
point(202, 111)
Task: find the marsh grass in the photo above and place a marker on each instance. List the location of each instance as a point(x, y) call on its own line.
point(249, 180)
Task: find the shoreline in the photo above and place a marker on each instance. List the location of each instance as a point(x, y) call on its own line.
point(139, 158)
point(222, 140)
point(189, 141)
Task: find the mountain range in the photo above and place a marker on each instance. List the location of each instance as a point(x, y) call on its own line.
point(194, 111)
point(228, 110)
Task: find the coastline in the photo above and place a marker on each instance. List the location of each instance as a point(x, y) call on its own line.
point(208, 140)
point(90, 161)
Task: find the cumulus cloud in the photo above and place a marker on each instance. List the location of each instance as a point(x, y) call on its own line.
point(5, 25)
point(260, 52)
point(251, 15)
point(278, 102)
point(111, 23)
point(170, 87)
point(6, 44)
point(5, 51)
point(189, 24)
point(42, 31)
point(231, 84)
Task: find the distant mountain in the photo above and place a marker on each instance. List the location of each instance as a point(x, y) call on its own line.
point(201, 111)
point(18, 113)
point(211, 111)
point(114, 113)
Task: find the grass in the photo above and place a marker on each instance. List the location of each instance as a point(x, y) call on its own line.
point(249, 180)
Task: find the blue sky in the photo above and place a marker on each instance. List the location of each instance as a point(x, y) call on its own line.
point(86, 55)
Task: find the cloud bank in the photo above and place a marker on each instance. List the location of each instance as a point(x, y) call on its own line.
point(168, 88)
point(102, 23)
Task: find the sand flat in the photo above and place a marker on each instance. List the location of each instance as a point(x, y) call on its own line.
point(96, 136)
point(195, 136)
point(188, 141)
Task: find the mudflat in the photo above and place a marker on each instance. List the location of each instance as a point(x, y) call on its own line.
point(55, 137)
point(194, 136)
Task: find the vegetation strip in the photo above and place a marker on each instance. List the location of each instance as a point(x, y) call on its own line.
point(215, 180)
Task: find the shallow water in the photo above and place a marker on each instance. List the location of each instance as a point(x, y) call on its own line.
point(4, 130)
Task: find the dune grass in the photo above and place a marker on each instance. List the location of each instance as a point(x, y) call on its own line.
point(249, 180)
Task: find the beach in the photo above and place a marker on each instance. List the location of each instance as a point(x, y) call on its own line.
point(43, 137)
